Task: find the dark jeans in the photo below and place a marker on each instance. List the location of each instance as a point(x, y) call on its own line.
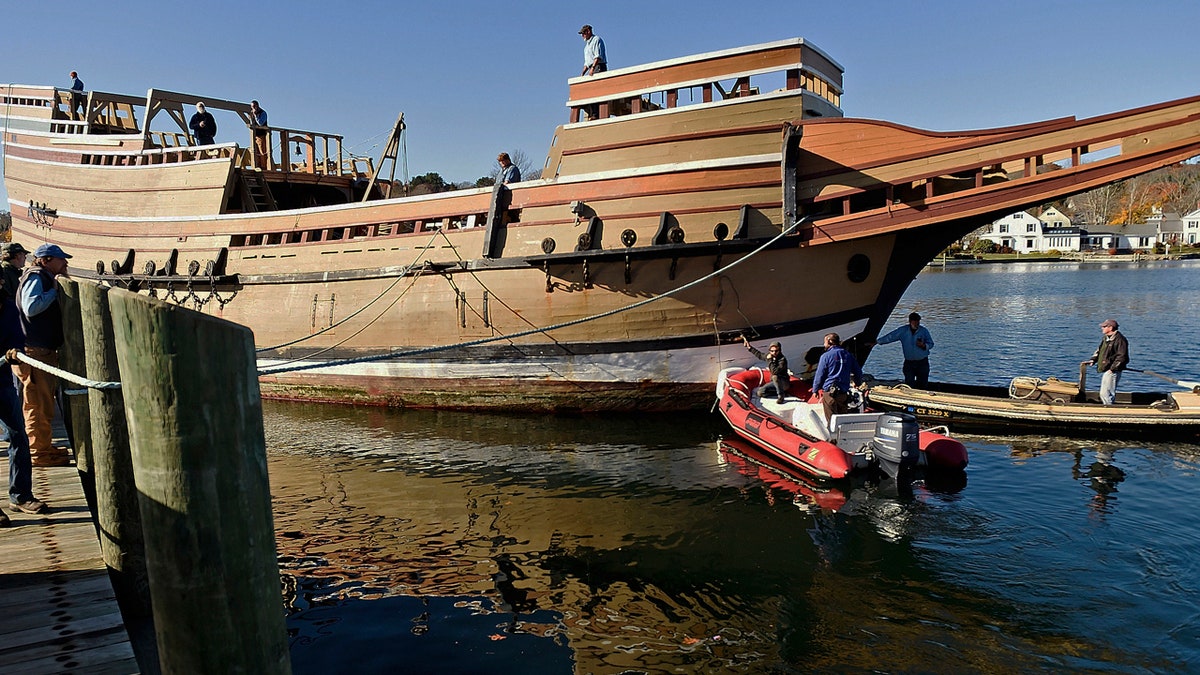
point(916, 373)
point(20, 466)
point(781, 385)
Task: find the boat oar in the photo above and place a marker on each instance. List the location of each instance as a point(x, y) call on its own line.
point(1186, 384)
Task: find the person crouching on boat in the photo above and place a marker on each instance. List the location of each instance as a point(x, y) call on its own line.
point(1110, 360)
point(837, 371)
point(776, 363)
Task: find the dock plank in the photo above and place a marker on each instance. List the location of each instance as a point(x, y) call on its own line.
point(57, 609)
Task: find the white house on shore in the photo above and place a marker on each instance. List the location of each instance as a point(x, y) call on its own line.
point(1132, 237)
point(1024, 232)
point(1189, 232)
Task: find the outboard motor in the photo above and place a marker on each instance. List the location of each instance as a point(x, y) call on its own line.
point(897, 442)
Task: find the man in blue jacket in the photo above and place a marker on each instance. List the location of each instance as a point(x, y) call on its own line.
point(916, 342)
point(836, 372)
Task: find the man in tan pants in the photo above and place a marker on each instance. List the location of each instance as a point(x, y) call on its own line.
point(41, 319)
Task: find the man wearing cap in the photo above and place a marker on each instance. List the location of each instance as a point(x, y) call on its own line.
point(12, 420)
point(776, 363)
point(915, 342)
point(203, 126)
point(41, 319)
point(1110, 359)
point(12, 261)
point(594, 59)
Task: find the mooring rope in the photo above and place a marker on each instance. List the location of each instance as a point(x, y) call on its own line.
point(544, 329)
point(69, 377)
point(408, 268)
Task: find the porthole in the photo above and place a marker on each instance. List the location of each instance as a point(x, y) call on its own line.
point(859, 268)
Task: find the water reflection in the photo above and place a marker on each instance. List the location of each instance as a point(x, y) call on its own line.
point(611, 545)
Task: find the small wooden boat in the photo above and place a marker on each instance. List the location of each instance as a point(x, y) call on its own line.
point(795, 431)
point(1034, 405)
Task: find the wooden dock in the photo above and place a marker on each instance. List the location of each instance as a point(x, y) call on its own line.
point(58, 613)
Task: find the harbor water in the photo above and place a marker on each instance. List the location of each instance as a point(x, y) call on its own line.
point(438, 542)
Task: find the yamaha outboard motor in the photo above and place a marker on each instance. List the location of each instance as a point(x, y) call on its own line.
point(897, 443)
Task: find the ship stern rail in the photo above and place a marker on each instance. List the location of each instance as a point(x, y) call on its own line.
point(640, 89)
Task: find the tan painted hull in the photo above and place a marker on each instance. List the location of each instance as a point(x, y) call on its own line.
point(440, 296)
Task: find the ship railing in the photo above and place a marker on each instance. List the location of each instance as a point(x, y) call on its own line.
point(788, 65)
point(163, 155)
point(297, 151)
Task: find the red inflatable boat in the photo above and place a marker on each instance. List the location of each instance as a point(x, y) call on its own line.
point(795, 431)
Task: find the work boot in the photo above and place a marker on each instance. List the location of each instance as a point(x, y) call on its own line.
point(51, 460)
point(31, 506)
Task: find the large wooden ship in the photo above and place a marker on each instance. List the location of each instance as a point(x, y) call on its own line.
point(685, 203)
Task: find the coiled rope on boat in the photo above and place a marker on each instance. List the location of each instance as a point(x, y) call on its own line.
point(536, 330)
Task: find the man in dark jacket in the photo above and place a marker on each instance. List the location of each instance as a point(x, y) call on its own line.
point(12, 261)
point(20, 466)
point(776, 363)
point(1110, 359)
point(203, 126)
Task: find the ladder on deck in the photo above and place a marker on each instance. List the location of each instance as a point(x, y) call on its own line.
point(258, 193)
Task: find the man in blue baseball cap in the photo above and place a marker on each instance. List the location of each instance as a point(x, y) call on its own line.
point(41, 319)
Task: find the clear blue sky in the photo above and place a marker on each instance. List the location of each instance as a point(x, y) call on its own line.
point(474, 78)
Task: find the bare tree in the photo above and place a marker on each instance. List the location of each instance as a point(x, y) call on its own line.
point(1099, 206)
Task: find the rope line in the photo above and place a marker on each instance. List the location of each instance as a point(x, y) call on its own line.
point(62, 374)
point(362, 309)
point(544, 329)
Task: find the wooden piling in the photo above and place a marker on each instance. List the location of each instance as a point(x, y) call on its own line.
point(199, 456)
point(117, 512)
point(75, 407)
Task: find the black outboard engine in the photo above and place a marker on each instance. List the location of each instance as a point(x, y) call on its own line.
point(897, 443)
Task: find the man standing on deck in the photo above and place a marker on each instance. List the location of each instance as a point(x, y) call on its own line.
point(1110, 359)
point(76, 95)
point(203, 126)
point(916, 342)
point(595, 61)
point(836, 372)
point(262, 137)
point(41, 320)
point(509, 173)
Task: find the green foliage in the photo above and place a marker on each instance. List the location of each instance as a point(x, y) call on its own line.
point(983, 246)
point(486, 181)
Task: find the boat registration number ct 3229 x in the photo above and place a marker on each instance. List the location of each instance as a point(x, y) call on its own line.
point(920, 411)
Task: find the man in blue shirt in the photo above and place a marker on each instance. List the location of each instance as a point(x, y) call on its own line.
point(76, 95)
point(594, 59)
point(509, 173)
point(836, 372)
point(916, 342)
point(41, 321)
point(262, 137)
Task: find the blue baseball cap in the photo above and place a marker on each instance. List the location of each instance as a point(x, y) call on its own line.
point(50, 251)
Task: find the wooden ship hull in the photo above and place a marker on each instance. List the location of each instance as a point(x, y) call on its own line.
point(1046, 407)
point(663, 227)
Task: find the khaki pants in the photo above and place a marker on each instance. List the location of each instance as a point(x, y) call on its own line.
point(37, 390)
